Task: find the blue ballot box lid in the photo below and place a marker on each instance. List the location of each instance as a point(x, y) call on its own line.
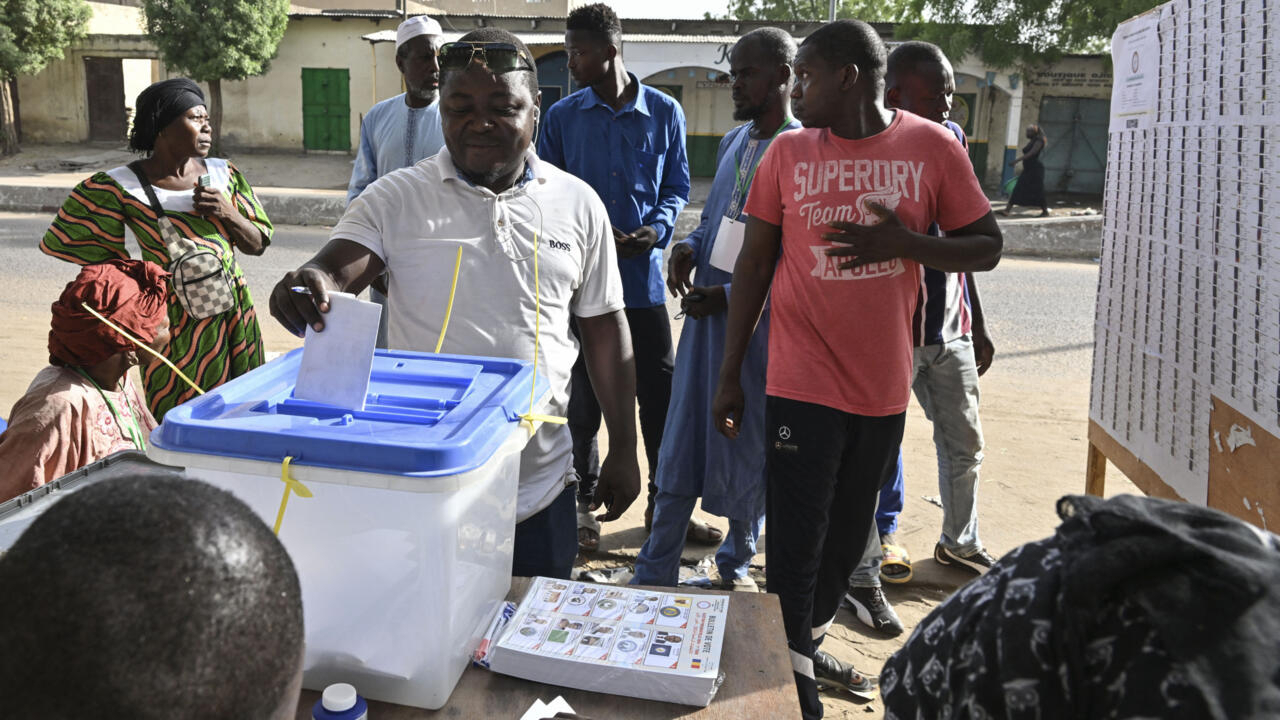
point(425, 415)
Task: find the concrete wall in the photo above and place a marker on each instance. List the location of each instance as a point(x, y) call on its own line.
point(708, 108)
point(54, 102)
point(115, 19)
point(266, 111)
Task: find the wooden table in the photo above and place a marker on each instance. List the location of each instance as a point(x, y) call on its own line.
point(758, 681)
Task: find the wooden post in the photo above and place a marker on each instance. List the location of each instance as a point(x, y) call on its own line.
point(1095, 472)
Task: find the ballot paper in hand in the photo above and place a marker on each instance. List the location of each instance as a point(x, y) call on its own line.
point(336, 361)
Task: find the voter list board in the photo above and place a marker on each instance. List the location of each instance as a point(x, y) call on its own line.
point(1188, 308)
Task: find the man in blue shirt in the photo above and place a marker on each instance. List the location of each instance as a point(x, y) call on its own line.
point(400, 131)
point(627, 141)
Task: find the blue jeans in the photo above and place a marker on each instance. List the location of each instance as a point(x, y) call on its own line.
point(659, 560)
point(946, 386)
point(888, 508)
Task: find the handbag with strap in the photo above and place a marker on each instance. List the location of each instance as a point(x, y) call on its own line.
point(199, 279)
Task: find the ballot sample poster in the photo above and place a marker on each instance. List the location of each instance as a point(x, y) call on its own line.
point(624, 641)
point(1188, 306)
point(1135, 56)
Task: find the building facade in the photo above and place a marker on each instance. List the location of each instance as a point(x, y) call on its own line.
point(335, 62)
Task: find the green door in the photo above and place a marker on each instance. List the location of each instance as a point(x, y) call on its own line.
point(326, 109)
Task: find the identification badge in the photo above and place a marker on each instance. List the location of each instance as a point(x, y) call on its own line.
point(724, 254)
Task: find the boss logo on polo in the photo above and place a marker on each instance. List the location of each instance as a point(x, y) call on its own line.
point(559, 245)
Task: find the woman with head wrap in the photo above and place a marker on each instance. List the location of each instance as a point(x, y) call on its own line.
point(172, 129)
point(84, 406)
point(1029, 190)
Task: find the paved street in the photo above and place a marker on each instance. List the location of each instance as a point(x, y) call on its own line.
point(1041, 313)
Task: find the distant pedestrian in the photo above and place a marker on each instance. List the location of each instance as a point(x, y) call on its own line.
point(401, 130)
point(222, 216)
point(1029, 190)
point(627, 141)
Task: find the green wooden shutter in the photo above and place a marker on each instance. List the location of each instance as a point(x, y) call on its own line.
point(326, 109)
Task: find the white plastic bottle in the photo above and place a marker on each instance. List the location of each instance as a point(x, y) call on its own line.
point(340, 702)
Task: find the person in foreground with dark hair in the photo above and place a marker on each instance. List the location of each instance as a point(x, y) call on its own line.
point(149, 598)
point(836, 238)
point(1136, 607)
point(531, 236)
point(172, 130)
point(627, 141)
point(84, 406)
point(698, 462)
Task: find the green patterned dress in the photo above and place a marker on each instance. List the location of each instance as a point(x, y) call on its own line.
point(92, 227)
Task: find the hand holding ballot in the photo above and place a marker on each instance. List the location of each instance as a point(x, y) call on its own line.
point(301, 297)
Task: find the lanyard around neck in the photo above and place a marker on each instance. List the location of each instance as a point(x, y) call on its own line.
point(744, 176)
point(133, 431)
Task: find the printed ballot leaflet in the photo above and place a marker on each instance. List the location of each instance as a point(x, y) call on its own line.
point(625, 641)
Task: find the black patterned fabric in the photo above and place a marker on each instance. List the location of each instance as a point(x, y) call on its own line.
point(1135, 608)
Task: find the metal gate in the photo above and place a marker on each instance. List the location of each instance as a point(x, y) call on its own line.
point(104, 78)
point(1076, 159)
point(326, 109)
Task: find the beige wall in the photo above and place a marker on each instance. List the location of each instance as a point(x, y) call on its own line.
point(510, 8)
point(112, 19)
point(707, 105)
point(266, 111)
point(54, 102)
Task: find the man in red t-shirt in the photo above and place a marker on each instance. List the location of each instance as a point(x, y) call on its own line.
point(837, 234)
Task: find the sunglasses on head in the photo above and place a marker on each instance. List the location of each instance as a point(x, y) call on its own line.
point(499, 57)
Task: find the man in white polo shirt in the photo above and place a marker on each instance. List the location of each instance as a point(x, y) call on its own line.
point(488, 194)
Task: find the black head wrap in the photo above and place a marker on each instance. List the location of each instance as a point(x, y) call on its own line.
point(158, 106)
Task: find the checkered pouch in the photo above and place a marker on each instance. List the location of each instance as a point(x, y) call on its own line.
point(199, 280)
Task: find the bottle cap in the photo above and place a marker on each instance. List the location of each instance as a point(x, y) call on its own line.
point(339, 697)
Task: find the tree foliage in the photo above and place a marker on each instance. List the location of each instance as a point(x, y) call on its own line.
point(1019, 33)
point(1003, 33)
point(215, 40)
point(802, 10)
point(33, 33)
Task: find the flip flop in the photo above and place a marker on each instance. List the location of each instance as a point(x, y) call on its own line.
point(702, 533)
point(896, 566)
point(588, 531)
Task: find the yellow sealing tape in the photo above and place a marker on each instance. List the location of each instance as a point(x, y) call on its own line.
point(290, 485)
point(448, 311)
point(531, 417)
